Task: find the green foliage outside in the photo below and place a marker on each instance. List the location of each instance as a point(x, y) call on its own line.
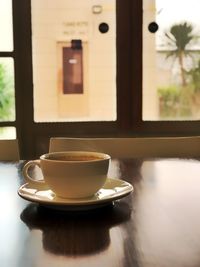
point(175, 101)
point(194, 77)
point(6, 95)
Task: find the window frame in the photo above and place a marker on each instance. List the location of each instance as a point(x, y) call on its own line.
point(34, 137)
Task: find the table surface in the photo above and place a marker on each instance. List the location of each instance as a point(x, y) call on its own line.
point(156, 225)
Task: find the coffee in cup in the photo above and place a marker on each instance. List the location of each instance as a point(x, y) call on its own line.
point(71, 174)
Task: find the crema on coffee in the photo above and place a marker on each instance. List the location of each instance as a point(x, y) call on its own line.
point(76, 158)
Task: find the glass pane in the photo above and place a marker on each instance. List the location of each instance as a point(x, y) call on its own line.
point(7, 133)
point(6, 25)
point(171, 60)
point(7, 92)
point(74, 60)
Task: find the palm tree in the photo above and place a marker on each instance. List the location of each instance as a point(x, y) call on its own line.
point(179, 36)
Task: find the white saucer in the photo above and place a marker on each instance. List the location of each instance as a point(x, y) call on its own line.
point(112, 190)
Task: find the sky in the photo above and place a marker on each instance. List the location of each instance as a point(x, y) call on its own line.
point(169, 11)
point(176, 11)
point(6, 43)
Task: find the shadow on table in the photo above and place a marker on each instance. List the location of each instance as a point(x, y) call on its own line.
point(75, 233)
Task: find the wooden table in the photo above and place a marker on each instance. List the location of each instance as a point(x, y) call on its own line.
point(157, 225)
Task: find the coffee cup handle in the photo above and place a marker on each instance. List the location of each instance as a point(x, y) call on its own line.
point(39, 184)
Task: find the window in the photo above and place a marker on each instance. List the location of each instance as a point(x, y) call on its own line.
point(72, 71)
point(74, 50)
point(171, 60)
point(170, 67)
point(7, 60)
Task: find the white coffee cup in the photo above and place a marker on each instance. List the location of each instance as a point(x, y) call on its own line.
point(71, 174)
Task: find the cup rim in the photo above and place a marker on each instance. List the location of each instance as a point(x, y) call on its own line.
point(102, 156)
